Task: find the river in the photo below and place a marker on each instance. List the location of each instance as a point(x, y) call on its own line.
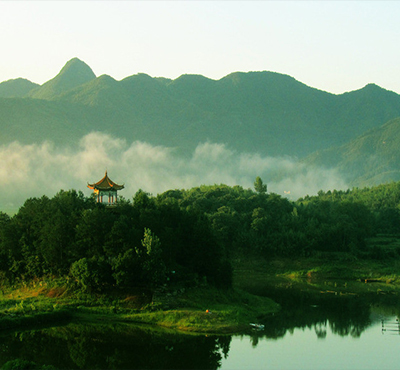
point(320, 346)
point(332, 332)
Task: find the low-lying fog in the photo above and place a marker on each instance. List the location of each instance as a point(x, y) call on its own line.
point(43, 169)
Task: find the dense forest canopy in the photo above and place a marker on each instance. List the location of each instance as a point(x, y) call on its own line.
point(188, 236)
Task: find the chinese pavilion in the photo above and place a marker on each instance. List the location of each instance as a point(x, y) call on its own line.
point(106, 187)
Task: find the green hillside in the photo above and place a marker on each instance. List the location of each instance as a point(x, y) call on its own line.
point(33, 121)
point(16, 88)
point(371, 159)
point(256, 112)
point(266, 112)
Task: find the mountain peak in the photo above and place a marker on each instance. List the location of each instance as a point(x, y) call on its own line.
point(74, 73)
point(372, 87)
point(77, 68)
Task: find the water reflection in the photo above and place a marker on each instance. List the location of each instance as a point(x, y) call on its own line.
point(114, 347)
point(344, 314)
point(344, 317)
point(124, 346)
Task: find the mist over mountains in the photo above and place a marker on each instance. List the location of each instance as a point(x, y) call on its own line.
point(36, 169)
point(251, 124)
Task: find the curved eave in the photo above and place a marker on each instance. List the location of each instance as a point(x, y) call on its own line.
point(105, 188)
point(105, 184)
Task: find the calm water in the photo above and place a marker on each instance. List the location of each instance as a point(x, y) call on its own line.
point(319, 347)
point(330, 333)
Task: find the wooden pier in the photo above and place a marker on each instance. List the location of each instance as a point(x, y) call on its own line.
point(391, 327)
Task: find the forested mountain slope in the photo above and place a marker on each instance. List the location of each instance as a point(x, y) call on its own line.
point(371, 159)
point(264, 112)
point(256, 112)
point(18, 87)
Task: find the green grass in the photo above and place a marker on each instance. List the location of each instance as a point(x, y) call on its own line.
point(202, 309)
point(210, 310)
point(50, 301)
point(27, 306)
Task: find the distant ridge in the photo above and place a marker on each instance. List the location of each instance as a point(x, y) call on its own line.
point(16, 88)
point(267, 113)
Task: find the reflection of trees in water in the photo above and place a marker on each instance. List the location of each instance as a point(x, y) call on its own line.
point(305, 306)
point(320, 329)
point(121, 346)
point(345, 315)
point(349, 317)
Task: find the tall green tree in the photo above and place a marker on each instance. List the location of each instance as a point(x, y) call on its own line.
point(259, 186)
point(153, 264)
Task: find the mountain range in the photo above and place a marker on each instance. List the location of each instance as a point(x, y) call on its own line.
point(255, 112)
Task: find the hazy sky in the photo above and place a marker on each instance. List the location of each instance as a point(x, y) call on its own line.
point(335, 46)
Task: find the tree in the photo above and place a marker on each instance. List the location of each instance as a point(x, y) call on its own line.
point(259, 186)
point(4, 240)
point(92, 231)
point(154, 266)
point(127, 269)
point(91, 273)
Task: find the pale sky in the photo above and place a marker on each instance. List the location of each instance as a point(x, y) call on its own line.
point(335, 46)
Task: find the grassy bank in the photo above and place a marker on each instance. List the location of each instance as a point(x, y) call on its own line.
point(201, 309)
point(209, 310)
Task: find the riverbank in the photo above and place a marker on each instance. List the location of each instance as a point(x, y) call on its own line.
point(201, 309)
point(208, 310)
point(337, 273)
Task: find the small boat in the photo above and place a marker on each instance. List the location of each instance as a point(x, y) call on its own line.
point(257, 326)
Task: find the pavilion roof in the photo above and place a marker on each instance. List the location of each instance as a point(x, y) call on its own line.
point(105, 184)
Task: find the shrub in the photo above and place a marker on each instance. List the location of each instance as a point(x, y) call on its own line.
point(92, 274)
